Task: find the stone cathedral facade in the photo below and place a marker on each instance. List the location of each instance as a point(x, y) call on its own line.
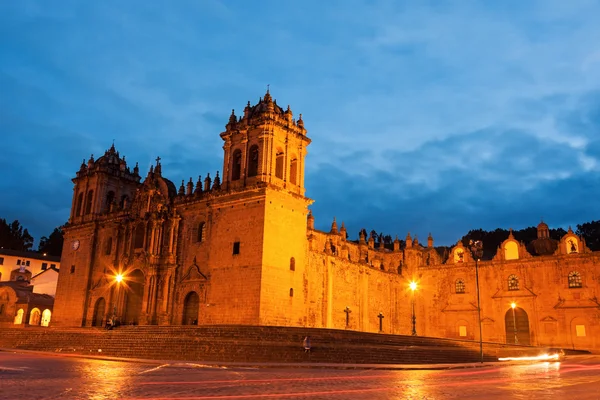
point(242, 249)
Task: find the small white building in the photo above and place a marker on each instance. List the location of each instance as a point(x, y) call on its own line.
point(23, 265)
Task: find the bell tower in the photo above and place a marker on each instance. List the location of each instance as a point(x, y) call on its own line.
point(265, 145)
point(102, 186)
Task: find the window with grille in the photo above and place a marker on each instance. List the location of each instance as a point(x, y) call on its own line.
point(460, 286)
point(574, 280)
point(513, 282)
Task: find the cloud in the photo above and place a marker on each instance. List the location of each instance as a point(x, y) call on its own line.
point(438, 116)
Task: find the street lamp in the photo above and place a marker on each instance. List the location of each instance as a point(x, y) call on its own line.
point(513, 305)
point(477, 251)
point(118, 279)
point(413, 287)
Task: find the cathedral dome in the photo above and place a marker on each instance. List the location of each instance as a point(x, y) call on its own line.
point(543, 246)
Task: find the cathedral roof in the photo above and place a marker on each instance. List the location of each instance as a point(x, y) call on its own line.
point(110, 162)
point(24, 293)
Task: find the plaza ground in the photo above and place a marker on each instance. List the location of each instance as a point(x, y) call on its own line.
point(45, 376)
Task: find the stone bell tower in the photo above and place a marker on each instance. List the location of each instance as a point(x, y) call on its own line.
point(265, 210)
point(265, 145)
point(102, 186)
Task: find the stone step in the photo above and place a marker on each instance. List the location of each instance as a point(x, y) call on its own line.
point(254, 344)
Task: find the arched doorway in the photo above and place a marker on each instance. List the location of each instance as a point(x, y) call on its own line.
point(34, 317)
point(191, 306)
point(46, 315)
point(19, 317)
point(517, 316)
point(134, 294)
point(99, 312)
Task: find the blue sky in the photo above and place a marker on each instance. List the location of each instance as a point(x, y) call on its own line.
point(425, 116)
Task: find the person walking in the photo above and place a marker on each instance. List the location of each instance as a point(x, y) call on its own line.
point(306, 344)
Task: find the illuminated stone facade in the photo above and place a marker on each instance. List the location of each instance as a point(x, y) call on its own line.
point(245, 251)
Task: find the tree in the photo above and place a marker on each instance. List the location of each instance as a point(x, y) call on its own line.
point(14, 237)
point(53, 244)
point(590, 231)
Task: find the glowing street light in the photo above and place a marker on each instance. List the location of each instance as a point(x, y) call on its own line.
point(513, 305)
point(413, 286)
point(118, 278)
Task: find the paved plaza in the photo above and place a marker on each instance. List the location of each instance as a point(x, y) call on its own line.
point(46, 376)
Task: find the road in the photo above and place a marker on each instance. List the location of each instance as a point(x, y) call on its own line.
point(43, 376)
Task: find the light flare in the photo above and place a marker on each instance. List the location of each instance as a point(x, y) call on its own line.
point(542, 357)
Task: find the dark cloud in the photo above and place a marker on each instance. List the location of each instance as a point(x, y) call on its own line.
point(423, 118)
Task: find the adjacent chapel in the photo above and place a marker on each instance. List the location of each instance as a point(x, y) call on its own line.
point(241, 248)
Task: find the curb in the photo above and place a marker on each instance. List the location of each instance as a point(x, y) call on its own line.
point(225, 365)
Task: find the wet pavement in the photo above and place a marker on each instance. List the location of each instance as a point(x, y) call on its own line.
point(48, 376)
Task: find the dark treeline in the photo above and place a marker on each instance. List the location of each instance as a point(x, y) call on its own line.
point(13, 236)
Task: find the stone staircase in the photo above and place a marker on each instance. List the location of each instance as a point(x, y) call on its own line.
point(260, 344)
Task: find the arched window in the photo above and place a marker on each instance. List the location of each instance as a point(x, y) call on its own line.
point(35, 316)
point(108, 248)
point(253, 161)
point(513, 282)
point(236, 168)
point(138, 242)
point(292, 264)
point(460, 286)
point(201, 232)
point(124, 202)
point(294, 171)
point(291, 292)
point(574, 279)
point(88, 202)
point(79, 206)
point(279, 164)
point(110, 198)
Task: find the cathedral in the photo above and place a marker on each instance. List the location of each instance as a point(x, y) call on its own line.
point(242, 249)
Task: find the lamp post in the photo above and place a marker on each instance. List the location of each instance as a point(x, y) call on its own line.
point(413, 287)
point(118, 280)
point(477, 251)
point(513, 305)
point(381, 317)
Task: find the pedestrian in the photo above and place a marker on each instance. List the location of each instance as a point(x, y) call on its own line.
point(109, 324)
point(306, 344)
